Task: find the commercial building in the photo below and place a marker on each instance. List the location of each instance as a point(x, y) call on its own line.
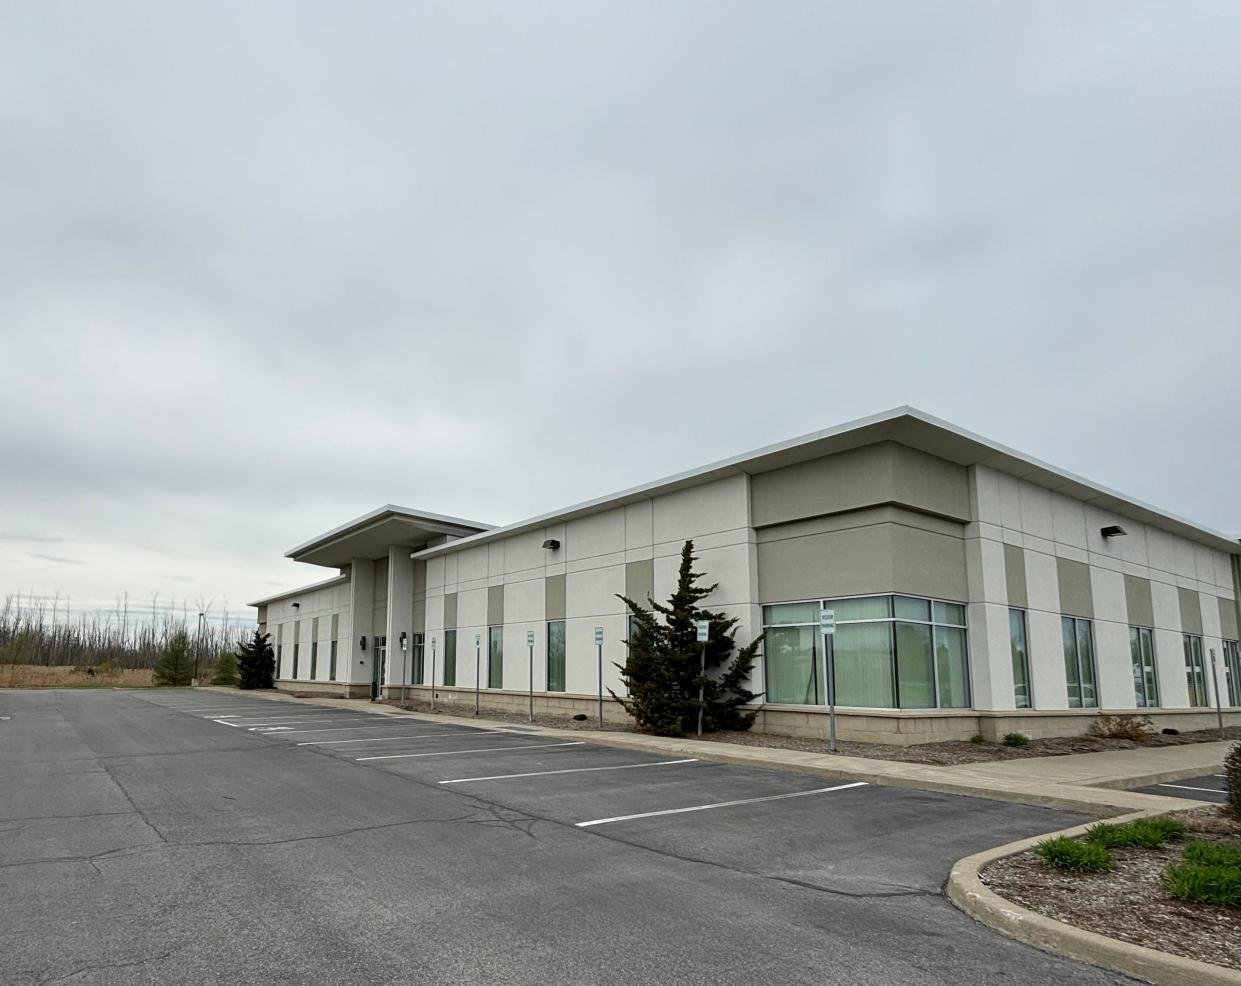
point(974, 590)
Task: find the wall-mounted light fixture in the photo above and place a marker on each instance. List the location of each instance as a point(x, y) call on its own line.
point(402, 640)
point(551, 544)
point(295, 606)
point(1113, 531)
point(362, 642)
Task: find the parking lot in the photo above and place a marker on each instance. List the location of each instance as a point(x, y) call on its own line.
point(178, 836)
point(1209, 787)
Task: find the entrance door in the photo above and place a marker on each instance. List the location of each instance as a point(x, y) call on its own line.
point(379, 667)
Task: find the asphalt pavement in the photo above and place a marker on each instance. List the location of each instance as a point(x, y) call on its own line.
point(1209, 787)
point(177, 837)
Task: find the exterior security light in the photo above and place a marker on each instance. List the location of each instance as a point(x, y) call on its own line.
point(362, 642)
point(1113, 531)
point(402, 640)
point(295, 606)
point(551, 544)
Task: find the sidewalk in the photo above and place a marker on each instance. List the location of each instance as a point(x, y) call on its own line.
point(1088, 782)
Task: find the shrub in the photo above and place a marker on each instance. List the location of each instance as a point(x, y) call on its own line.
point(1074, 856)
point(1200, 884)
point(176, 667)
point(1128, 727)
point(978, 738)
point(1232, 779)
point(1016, 739)
point(1145, 833)
point(1206, 853)
point(225, 673)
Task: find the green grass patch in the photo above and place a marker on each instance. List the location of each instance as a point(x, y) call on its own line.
point(1074, 856)
point(1206, 853)
point(1145, 833)
point(1200, 884)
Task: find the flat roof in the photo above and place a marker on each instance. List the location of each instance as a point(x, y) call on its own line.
point(905, 425)
point(297, 592)
point(370, 535)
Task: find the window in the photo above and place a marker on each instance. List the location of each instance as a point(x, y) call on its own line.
point(1023, 697)
point(1078, 638)
point(314, 648)
point(555, 656)
point(450, 657)
point(332, 651)
point(1142, 654)
point(888, 652)
point(495, 657)
point(279, 648)
point(419, 658)
point(297, 643)
point(1195, 671)
point(1232, 672)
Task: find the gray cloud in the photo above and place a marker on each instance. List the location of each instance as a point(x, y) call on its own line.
point(264, 267)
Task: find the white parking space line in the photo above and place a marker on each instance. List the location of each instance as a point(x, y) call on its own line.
point(260, 721)
point(446, 733)
point(569, 770)
point(718, 804)
point(225, 722)
point(1186, 787)
point(491, 749)
point(363, 727)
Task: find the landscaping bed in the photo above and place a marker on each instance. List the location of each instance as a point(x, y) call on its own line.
point(1131, 902)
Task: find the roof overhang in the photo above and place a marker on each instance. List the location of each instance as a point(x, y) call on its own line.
point(370, 535)
point(904, 425)
point(302, 590)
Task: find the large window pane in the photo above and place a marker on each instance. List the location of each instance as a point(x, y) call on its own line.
point(791, 613)
point(1085, 657)
point(862, 654)
point(450, 657)
point(909, 608)
point(1142, 657)
point(555, 656)
point(952, 668)
point(1022, 696)
point(1072, 675)
point(1232, 671)
point(495, 657)
point(865, 608)
point(1195, 671)
point(915, 683)
point(794, 675)
point(950, 613)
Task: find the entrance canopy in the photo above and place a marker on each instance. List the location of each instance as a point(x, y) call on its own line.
point(370, 535)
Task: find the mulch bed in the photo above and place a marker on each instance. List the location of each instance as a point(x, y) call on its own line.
point(1129, 903)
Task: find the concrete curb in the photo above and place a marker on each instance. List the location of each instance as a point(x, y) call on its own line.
point(1099, 802)
point(968, 893)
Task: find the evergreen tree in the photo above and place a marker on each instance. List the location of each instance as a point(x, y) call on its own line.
point(225, 673)
point(662, 671)
point(256, 664)
point(176, 667)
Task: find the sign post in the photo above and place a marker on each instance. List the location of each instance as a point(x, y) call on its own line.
point(404, 676)
point(599, 646)
point(478, 665)
point(432, 672)
point(704, 634)
point(827, 623)
point(530, 644)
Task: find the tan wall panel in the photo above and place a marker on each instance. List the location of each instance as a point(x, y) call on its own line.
point(450, 611)
point(495, 605)
point(928, 564)
point(930, 483)
point(1076, 598)
point(1015, 576)
point(1138, 601)
point(554, 597)
point(1191, 611)
point(640, 580)
point(1227, 619)
point(840, 563)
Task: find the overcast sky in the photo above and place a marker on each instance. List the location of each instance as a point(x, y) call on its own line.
point(264, 267)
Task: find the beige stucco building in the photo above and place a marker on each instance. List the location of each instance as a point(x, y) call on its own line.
point(974, 590)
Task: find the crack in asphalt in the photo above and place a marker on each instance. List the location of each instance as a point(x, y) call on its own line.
point(100, 966)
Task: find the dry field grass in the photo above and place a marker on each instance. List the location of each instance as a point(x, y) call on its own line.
point(41, 676)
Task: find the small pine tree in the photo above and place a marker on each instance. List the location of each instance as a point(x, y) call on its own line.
point(176, 667)
point(256, 663)
point(662, 671)
point(225, 674)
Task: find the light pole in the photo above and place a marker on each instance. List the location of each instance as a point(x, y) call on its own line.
point(198, 646)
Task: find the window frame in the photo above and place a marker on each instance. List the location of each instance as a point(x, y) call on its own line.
point(1025, 656)
point(1145, 633)
point(892, 621)
point(1077, 656)
point(564, 657)
point(450, 657)
point(495, 633)
point(419, 663)
point(1232, 672)
point(1195, 661)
